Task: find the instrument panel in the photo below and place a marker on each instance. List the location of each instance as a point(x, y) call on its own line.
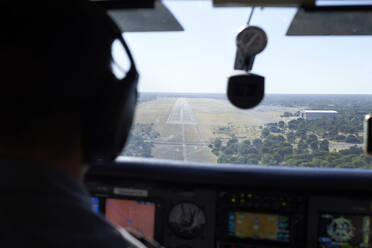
point(191, 215)
point(235, 218)
point(179, 217)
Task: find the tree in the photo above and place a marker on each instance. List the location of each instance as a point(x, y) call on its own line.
point(277, 157)
point(358, 162)
point(274, 130)
point(253, 159)
point(253, 151)
point(314, 146)
point(317, 162)
point(340, 138)
point(291, 137)
point(281, 124)
point(274, 140)
point(324, 145)
point(231, 141)
point(215, 152)
point(302, 145)
point(243, 148)
point(333, 132)
point(266, 149)
point(268, 159)
point(311, 138)
point(301, 133)
point(352, 150)
point(283, 150)
point(352, 139)
point(225, 158)
point(228, 150)
point(265, 132)
point(217, 143)
point(287, 114)
point(257, 143)
point(242, 160)
point(139, 143)
point(292, 125)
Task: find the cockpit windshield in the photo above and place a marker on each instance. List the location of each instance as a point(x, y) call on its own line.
point(317, 92)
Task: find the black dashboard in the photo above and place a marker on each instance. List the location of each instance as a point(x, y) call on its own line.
point(188, 205)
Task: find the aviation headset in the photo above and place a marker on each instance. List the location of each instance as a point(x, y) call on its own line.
point(106, 127)
point(81, 79)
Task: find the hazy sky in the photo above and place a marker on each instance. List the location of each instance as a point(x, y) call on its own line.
point(201, 58)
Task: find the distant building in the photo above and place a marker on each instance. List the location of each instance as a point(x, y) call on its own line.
point(314, 114)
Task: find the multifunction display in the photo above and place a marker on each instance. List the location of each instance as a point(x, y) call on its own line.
point(259, 226)
point(135, 216)
point(344, 231)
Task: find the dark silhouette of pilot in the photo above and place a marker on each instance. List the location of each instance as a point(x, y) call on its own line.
point(54, 88)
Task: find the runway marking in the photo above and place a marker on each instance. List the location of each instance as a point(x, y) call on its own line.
point(181, 114)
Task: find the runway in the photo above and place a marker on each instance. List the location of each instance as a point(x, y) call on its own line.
point(181, 113)
point(184, 140)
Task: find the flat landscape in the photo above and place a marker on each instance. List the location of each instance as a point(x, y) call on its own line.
point(188, 125)
point(206, 128)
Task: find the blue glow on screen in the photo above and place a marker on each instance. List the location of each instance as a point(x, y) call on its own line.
point(95, 204)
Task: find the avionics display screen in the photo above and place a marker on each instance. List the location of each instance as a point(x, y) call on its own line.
point(134, 216)
point(344, 231)
point(95, 204)
point(259, 226)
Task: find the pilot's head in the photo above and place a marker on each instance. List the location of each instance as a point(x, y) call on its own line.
point(62, 94)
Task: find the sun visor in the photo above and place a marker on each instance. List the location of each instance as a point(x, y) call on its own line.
point(332, 21)
point(156, 19)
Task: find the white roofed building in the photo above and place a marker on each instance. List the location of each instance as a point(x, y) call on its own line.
point(314, 114)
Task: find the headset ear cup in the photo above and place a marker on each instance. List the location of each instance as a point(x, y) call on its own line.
point(108, 120)
point(107, 126)
point(126, 122)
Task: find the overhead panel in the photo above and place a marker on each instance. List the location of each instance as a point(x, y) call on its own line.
point(332, 21)
point(156, 19)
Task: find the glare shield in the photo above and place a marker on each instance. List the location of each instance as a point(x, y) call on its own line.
point(146, 20)
point(332, 21)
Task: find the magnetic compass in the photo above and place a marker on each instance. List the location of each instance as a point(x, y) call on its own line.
point(251, 41)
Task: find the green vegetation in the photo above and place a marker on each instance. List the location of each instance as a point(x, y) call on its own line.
point(357, 104)
point(343, 128)
point(140, 142)
point(301, 143)
point(276, 150)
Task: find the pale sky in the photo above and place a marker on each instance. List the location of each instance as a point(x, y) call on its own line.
point(201, 58)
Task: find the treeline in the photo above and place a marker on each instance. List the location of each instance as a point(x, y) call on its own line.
point(342, 103)
point(302, 143)
point(276, 150)
point(342, 128)
point(140, 142)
